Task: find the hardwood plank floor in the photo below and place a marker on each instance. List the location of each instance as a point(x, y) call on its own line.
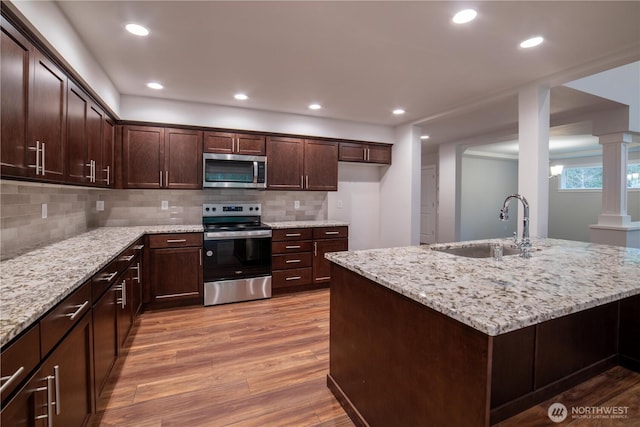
point(264, 363)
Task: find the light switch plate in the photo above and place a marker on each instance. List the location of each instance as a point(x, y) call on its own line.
point(164, 205)
point(44, 211)
point(100, 205)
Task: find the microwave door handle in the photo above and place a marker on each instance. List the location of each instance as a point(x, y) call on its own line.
point(255, 172)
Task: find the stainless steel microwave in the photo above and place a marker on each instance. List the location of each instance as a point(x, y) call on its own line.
point(234, 171)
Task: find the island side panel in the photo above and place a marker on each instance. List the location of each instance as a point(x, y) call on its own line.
point(398, 362)
point(629, 347)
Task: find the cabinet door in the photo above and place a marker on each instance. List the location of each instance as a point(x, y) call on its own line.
point(105, 341)
point(352, 152)
point(142, 157)
point(123, 308)
point(15, 68)
point(136, 287)
point(321, 265)
point(219, 142)
point(176, 276)
point(321, 165)
point(27, 405)
point(95, 140)
point(182, 159)
point(285, 159)
point(379, 154)
point(47, 118)
point(251, 145)
point(107, 174)
point(78, 170)
point(71, 366)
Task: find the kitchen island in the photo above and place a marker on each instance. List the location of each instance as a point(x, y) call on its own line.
point(423, 337)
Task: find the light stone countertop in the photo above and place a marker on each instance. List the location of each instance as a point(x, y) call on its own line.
point(496, 297)
point(33, 283)
point(306, 224)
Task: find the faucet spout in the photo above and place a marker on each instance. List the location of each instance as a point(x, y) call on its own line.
point(525, 242)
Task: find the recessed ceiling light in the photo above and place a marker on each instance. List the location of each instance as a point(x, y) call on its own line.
point(240, 96)
point(398, 111)
point(155, 85)
point(464, 16)
point(136, 29)
point(534, 41)
point(315, 106)
point(424, 137)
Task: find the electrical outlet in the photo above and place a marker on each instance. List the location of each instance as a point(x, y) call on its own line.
point(100, 205)
point(296, 204)
point(340, 204)
point(44, 211)
point(164, 205)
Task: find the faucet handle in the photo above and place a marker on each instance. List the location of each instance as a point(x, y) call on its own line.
point(515, 238)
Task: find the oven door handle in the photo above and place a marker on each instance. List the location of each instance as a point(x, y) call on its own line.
point(225, 235)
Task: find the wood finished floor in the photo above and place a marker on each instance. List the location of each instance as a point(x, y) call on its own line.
point(264, 363)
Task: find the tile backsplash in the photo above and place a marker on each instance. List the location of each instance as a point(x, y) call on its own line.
point(72, 210)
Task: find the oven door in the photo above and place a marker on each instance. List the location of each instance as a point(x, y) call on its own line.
point(229, 256)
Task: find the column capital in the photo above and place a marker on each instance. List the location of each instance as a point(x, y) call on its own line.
point(618, 137)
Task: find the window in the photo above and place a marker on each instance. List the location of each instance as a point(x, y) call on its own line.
point(590, 177)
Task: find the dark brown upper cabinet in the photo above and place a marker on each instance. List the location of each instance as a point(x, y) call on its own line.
point(365, 153)
point(234, 143)
point(156, 157)
point(302, 164)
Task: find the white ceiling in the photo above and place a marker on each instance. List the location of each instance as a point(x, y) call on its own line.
point(359, 59)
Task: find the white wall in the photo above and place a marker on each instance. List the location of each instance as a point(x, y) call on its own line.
point(49, 22)
point(449, 163)
point(138, 108)
point(400, 191)
point(357, 201)
point(485, 183)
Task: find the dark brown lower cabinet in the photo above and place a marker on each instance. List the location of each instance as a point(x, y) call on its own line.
point(60, 393)
point(629, 347)
point(105, 340)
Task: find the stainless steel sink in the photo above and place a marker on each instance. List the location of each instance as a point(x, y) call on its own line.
point(481, 250)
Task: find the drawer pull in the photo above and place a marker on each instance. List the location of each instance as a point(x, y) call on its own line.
point(49, 389)
point(323, 278)
point(138, 247)
point(127, 258)
point(78, 311)
point(292, 247)
point(293, 278)
point(176, 240)
point(9, 379)
point(292, 261)
point(109, 277)
point(330, 233)
point(293, 234)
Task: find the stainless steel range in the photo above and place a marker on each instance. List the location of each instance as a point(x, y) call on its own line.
point(237, 253)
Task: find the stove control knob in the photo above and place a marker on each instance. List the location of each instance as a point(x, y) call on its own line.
point(250, 209)
point(206, 209)
point(214, 209)
point(257, 207)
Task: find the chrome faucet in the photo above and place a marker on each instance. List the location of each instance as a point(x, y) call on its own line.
point(525, 244)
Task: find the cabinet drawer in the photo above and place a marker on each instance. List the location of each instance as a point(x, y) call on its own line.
point(282, 235)
point(330, 233)
point(289, 261)
point(175, 240)
point(19, 359)
point(293, 277)
point(66, 314)
point(291, 247)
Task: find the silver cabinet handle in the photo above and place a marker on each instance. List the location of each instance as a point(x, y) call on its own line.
point(56, 379)
point(93, 173)
point(137, 269)
point(166, 178)
point(233, 144)
point(292, 261)
point(127, 257)
point(37, 150)
point(43, 157)
point(293, 235)
point(78, 311)
point(160, 178)
point(293, 278)
point(176, 240)
point(331, 233)
point(11, 378)
point(107, 170)
point(124, 293)
point(90, 176)
point(307, 184)
point(49, 389)
point(201, 257)
point(292, 247)
point(315, 248)
point(109, 277)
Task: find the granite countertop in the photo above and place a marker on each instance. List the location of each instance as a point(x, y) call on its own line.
point(33, 283)
point(306, 224)
point(496, 297)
